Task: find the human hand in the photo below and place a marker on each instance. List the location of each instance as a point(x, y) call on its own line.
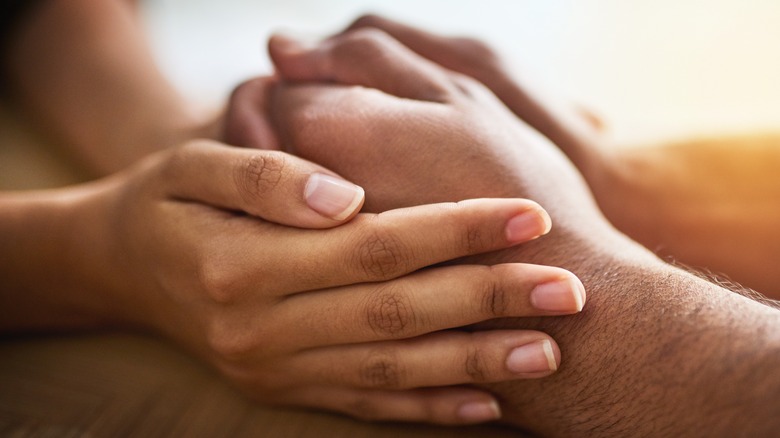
point(636, 362)
point(422, 134)
point(192, 245)
point(576, 130)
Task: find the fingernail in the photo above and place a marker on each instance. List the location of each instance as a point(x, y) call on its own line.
point(532, 358)
point(565, 295)
point(528, 225)
point(477, 412)
point(332, 197)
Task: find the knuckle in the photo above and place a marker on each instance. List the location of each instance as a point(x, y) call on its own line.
point(389, 313)
point(475, 365)
point(176, 160)
point(473, 239)
point(366, 20)
point(259, 175)
point(494, 298)
point(468, 85)
point(381, 255)
point(381, 371)
point(365, 43)
point(219, 283)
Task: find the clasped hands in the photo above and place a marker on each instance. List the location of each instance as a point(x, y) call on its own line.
point(262, 265)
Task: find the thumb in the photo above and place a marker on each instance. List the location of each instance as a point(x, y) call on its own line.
point(272, 185)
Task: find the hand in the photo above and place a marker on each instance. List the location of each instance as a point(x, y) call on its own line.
point(201, 249)
point(574, 129)
point(423, 134)
point(657, 351)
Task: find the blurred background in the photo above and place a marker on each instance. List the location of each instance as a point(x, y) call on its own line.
point(654, 70)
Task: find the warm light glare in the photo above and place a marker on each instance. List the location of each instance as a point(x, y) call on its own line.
point(653, 69)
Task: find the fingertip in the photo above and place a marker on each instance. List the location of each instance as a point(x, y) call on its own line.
point(286, 45)
point(333, 197)
point(562, 294)
point(545, 219)
point(583, 296)
point(538, 358)
point(528, 224)
point(479, 411)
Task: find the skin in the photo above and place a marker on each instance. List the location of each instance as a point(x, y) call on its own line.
point(83, 72)
point(656, 352)
point(702, 193)
point(212, 246)
point(206, 263)
point(43, 231)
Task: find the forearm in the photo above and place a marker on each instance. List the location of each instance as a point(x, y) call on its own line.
point(82, 69)
point(655, 352)
point(48, 266)
point(710, 204)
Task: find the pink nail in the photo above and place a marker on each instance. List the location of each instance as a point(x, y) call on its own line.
point(565, 295)
point(332, 197)
point(528, 225)
point(532, 358)
point(477, 412)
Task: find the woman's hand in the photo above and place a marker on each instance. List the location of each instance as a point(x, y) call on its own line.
point(208, 245)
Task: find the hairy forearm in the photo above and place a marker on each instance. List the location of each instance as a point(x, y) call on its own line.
point(656, 351)
point(709, 204)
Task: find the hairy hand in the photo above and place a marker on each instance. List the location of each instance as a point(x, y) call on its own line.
point(421, 133)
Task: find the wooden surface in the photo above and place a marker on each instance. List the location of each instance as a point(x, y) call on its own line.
point(124, 385)
point(119, 384)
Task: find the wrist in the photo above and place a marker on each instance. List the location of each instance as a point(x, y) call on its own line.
point(654, 329)
point(556, 119)
point(100, 269)
point(48, 253)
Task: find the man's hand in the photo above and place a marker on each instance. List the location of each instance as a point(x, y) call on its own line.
point(713, 201)
point(656, 352)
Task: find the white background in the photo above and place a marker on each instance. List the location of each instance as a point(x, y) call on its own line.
point(652, 69)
